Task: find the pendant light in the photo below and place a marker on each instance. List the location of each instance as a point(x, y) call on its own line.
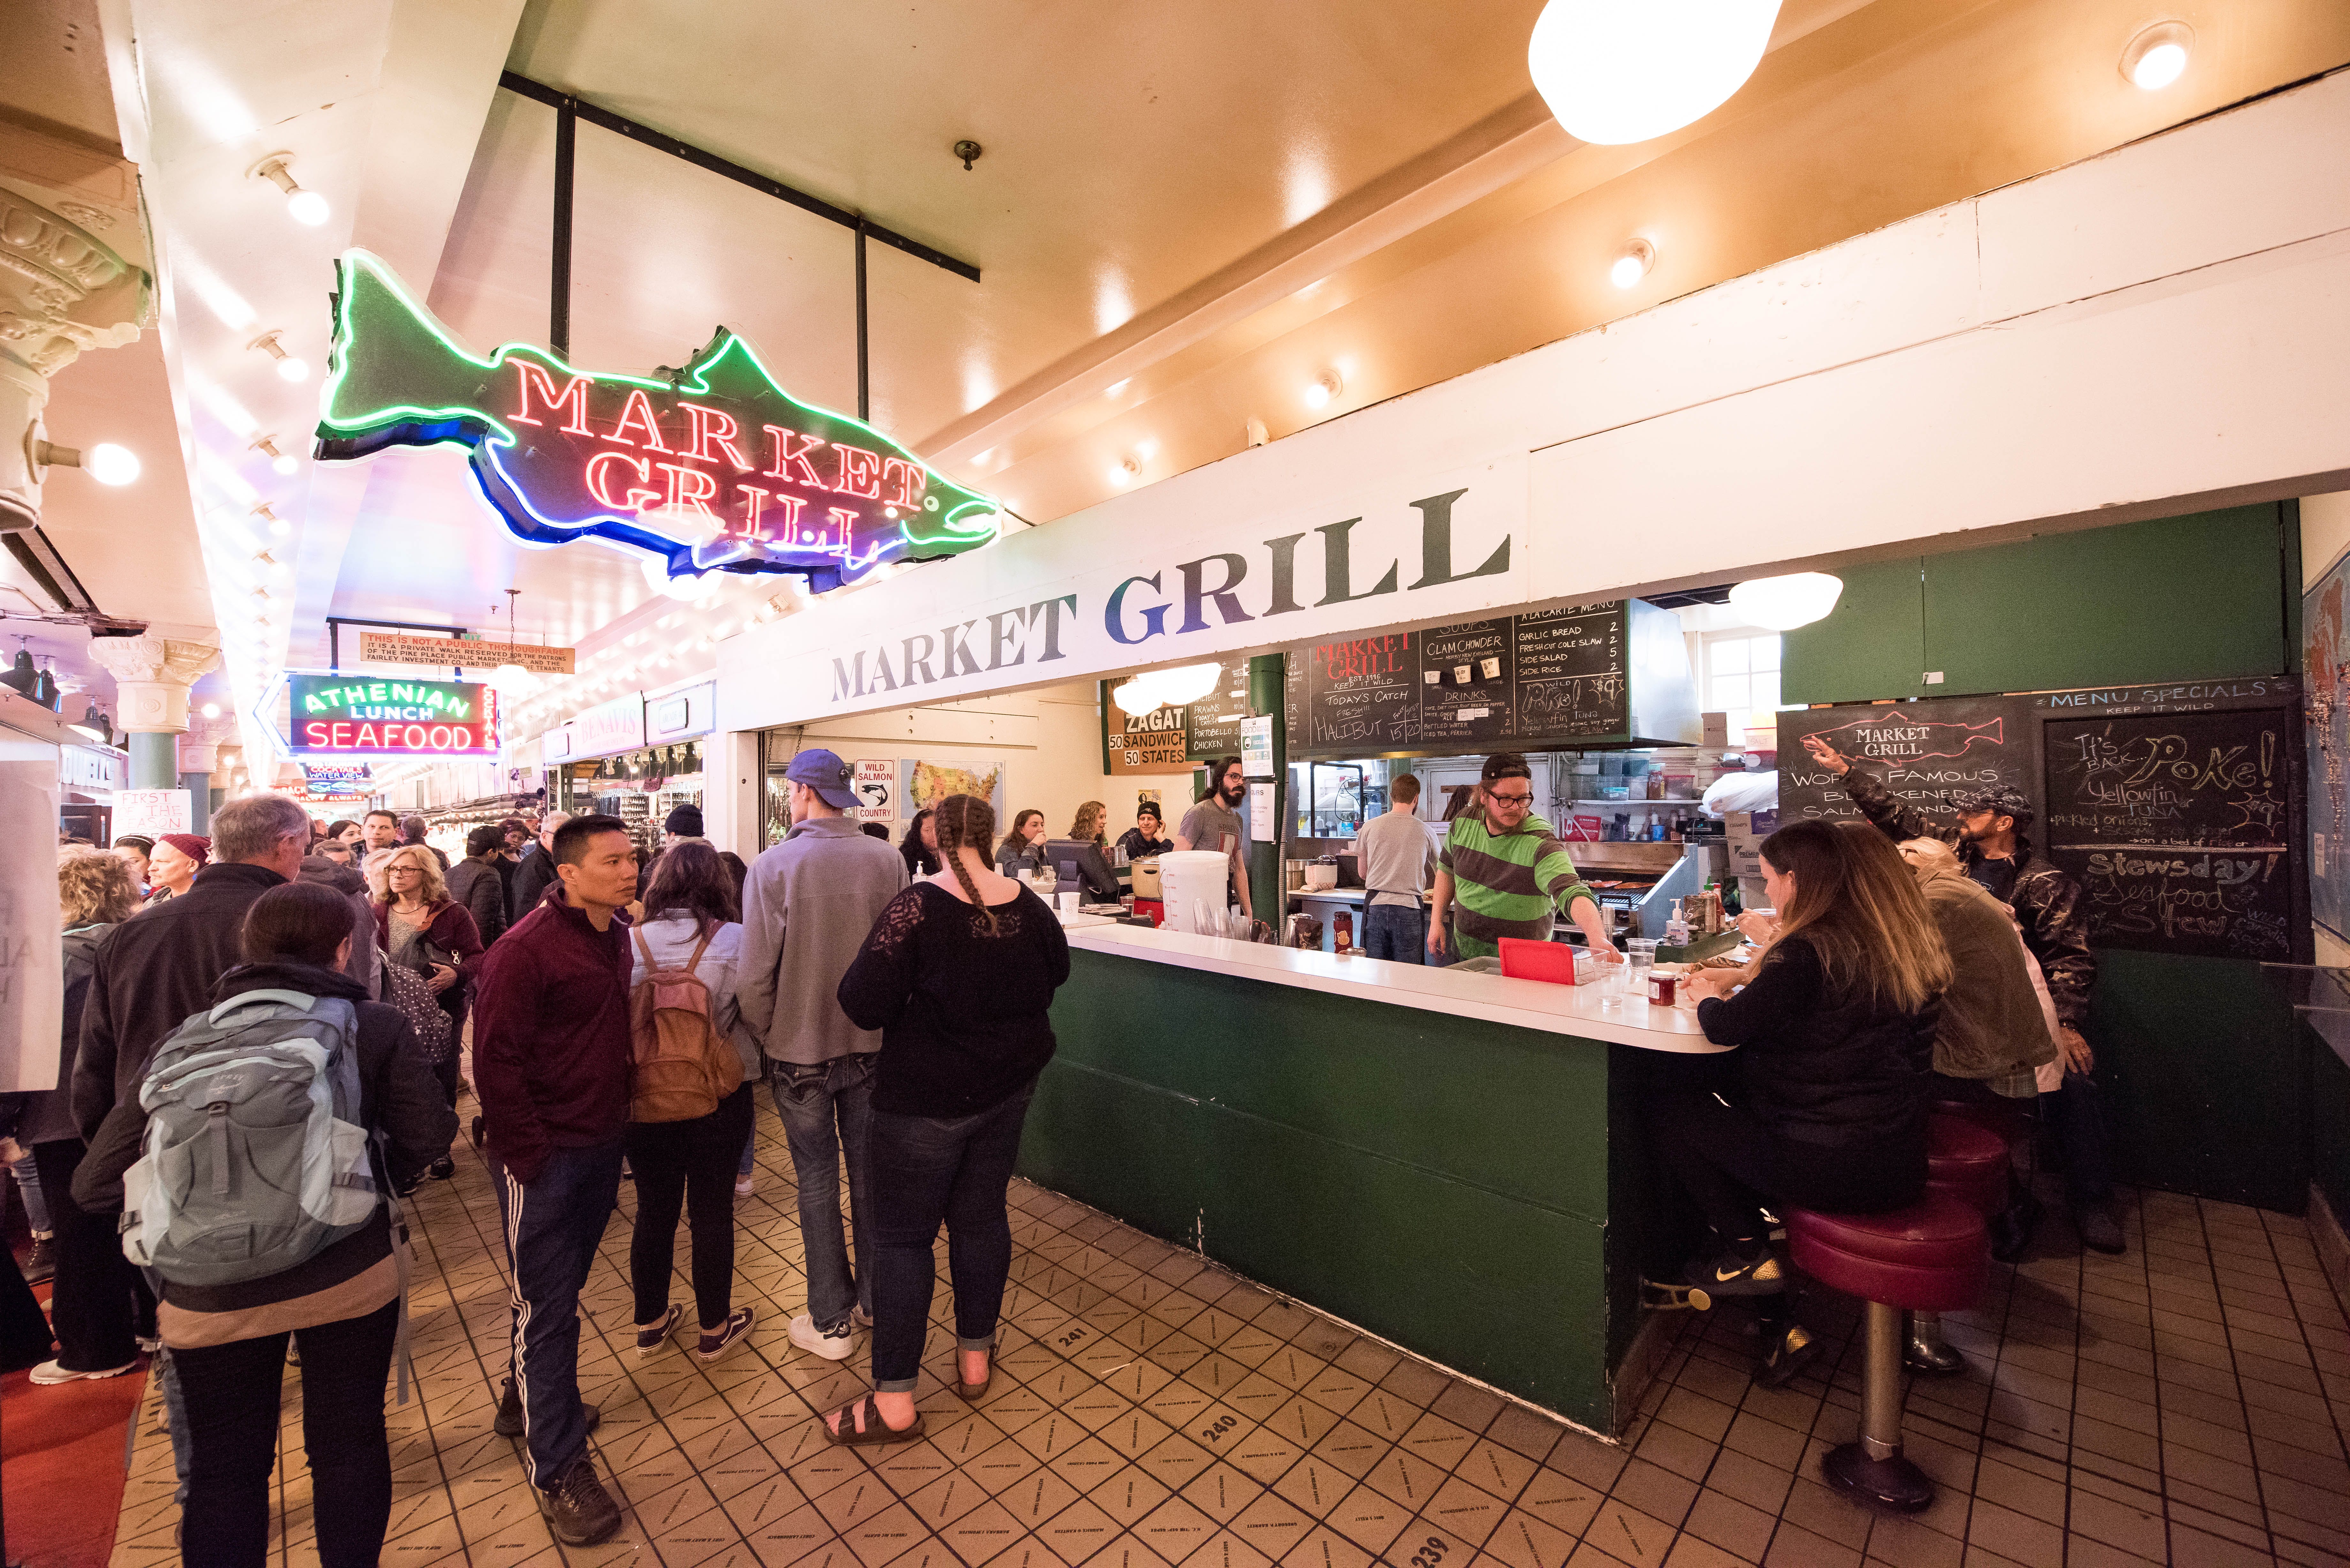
point(512, 680)
point(45, 687)
point(1615, 73)
point(95, 726)
point(1784, 603)
point(21, 675)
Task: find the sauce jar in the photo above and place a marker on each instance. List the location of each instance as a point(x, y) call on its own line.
point(1661, 988)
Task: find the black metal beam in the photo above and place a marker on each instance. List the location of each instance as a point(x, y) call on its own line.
point(558, 309)
point(864, 366)
point(620, 125)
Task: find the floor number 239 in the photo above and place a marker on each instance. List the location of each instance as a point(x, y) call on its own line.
point(1430, 1555)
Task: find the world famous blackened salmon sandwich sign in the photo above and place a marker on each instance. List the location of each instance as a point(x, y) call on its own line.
point(710, 468)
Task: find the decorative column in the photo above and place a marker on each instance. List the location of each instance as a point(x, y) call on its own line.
point(1268, 696)
point(62, 289)
point(152, 677)
point(199, 760)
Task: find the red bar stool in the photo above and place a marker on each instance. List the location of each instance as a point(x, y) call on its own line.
point(1933, 1256)
point(1967, 1161)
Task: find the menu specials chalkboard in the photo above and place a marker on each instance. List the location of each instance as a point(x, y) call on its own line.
point(1547, 678)
point(1212, 727)
point(2180, 828)
point(1922, 751)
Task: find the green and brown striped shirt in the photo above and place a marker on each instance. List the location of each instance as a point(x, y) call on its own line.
point(1508, 884)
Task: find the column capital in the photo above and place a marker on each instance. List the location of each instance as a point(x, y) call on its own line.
point(152, 677)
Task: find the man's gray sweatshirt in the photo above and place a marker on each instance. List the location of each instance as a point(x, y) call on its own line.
point(806, 907)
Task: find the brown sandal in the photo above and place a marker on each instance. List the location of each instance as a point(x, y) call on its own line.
point(972, 1393)
point(876, 1430)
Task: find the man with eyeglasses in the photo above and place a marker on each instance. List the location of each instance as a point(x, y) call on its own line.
point(1503, 873)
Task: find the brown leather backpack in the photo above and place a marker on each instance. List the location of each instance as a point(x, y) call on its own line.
point(682, 1067)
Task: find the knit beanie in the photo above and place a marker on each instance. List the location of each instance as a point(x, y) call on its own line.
point(194, 846)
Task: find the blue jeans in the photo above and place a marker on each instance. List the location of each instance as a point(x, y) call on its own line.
point(2078, 1121)
point(828, 1111)
point(553, 1224)
point(926, 1169)
point(1396, 933)
point(28, 1188)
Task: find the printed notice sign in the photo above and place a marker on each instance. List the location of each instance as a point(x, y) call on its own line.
point(1256, 748)
point(876, 788)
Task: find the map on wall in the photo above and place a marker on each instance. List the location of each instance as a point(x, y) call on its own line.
point(925, 784)
point(2325, 678)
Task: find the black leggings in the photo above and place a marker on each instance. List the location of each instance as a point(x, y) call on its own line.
point(1732, 1166)
point(692, 1163)
point(93, 1302)
point(231, 1392)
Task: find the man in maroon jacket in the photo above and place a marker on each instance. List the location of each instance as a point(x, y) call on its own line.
point(551, 1054)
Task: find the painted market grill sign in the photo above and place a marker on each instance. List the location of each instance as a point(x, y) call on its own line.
point(708, 467)
point(355, 716)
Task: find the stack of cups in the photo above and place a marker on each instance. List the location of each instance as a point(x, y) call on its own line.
point(1640, 957)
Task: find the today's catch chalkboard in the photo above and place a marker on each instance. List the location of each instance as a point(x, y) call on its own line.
point(2180, 829)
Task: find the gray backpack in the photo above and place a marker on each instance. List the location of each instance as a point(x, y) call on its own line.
point(254, 1157)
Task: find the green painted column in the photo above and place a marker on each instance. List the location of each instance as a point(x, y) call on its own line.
point(1267, 692)
point(200, 801)
point(155, 758)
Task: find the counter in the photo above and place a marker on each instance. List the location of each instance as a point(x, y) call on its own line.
point(1451, 1161)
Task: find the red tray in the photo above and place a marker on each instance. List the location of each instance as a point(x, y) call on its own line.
point(1524, 959)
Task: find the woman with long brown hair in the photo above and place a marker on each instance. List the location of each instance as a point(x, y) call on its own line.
point(957, 974)
point(1835, 1038)
point(430, 934)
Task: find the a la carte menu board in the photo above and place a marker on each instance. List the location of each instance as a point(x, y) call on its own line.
point(2180, 828)
point(1552, 676)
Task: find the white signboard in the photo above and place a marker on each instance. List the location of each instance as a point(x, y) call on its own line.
point(875, 784)
point(1256, 748)
point(1262, 828)
point(152, 813)
point(32, 1001)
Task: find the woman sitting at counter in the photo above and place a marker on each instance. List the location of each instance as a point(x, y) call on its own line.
point(1023, 848)
point(1835, 1034)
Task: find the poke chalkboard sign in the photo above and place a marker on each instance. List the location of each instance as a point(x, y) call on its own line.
point(2180, 828)
point(1922, 751)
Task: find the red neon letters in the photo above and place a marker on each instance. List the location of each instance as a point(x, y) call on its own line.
point(342, 735)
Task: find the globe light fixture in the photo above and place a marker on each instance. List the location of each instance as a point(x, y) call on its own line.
point(1632, 264)
point(305, 207)
point(2157, 57)
point(1615, 73)
point(1329, 386)
point(289, 368)
point(1784, 603)
point(1135, 698)
point(1185, 683)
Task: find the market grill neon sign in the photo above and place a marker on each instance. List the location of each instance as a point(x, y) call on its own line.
point(335, 715)
point(710, 468)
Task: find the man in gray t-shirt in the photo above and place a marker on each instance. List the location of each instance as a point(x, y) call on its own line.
point(1214, 824)
point(1397, 857)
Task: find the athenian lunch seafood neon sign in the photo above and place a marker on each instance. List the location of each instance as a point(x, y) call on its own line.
point(708, 467)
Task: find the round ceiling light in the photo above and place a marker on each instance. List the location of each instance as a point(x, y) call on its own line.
point(2157, 56)
point(1632, 264)
point(1784, 603)
point(1136, 697)
point(1615, 73)
point(1185, 683)
point(1326, 387)
point(111, 464)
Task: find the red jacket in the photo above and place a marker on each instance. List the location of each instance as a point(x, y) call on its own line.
point(452, 930)
point(551, 1040)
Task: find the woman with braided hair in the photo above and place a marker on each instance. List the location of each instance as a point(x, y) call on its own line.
point(958, 975)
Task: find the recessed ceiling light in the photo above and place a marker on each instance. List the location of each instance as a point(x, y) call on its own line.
point(1126, 469)
point(2157, 56)
point(1325, 387)
point(1632, 264)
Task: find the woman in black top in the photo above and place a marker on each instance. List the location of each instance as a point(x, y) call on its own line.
point(957, 974)
point(920, 844)
point(1834, 1032)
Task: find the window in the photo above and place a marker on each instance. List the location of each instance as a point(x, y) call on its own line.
point(1741, 672)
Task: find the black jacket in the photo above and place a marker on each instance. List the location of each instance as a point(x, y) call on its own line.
point(348, 881)
point(1821, 1068)
point(2047, 902)
point(476, 884)
point(533, 876)
point(398, 1096)
point(149, 973)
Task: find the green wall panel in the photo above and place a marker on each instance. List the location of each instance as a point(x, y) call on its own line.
point(2329, 1115)
point(1872, 645)
point(2174, 598)
point(2206, 1085)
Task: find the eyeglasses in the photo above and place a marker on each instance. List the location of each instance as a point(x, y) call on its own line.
point(1525, 799)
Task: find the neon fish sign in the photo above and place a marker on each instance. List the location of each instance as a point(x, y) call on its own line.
point(708, 467)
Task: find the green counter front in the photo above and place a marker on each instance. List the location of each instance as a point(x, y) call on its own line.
point(1449, 1161)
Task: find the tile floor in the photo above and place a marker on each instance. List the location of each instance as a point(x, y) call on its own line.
point(2184, 1403)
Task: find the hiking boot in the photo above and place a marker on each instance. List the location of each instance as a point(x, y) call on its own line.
point(578, 1510)
point(41, 1262)
point(509, 1421)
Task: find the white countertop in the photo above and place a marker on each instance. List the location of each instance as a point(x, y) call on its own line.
point(1522, 1003)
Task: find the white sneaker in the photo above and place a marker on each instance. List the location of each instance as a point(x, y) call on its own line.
point(743, 1187)
point(837, 1345)
point(50, 1372)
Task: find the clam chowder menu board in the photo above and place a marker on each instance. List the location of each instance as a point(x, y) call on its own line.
point(1550, 678)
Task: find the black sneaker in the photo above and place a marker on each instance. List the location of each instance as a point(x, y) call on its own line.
point(1785, 1357)
point(509, 1419)
point(441, 1169)
point(579, 1510)
point(1732, 1275)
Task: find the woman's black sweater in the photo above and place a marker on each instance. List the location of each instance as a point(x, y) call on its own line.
point(1821, 1067)
point(962, 1013)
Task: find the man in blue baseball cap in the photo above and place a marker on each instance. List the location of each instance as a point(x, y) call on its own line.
point(808, 905)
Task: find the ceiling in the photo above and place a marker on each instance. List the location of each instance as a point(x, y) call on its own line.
point(1184, 216)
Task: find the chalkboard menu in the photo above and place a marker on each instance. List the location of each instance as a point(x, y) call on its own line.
point(1552, 677)
point(1213, 726)
point(1922, 752)
point(2178, 829)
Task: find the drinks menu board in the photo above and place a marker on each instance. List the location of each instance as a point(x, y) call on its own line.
point(1550, 677)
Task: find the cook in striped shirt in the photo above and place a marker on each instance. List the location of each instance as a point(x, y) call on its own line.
point(1503, 872)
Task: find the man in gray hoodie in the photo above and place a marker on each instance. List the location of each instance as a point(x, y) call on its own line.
point(807, 908)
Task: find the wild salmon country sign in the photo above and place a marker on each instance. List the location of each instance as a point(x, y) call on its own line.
point(709, 468)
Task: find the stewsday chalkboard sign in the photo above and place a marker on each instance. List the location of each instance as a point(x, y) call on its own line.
point(2180, 828)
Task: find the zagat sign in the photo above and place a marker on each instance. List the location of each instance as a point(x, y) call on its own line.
point(710, 468)
point(341, 715)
